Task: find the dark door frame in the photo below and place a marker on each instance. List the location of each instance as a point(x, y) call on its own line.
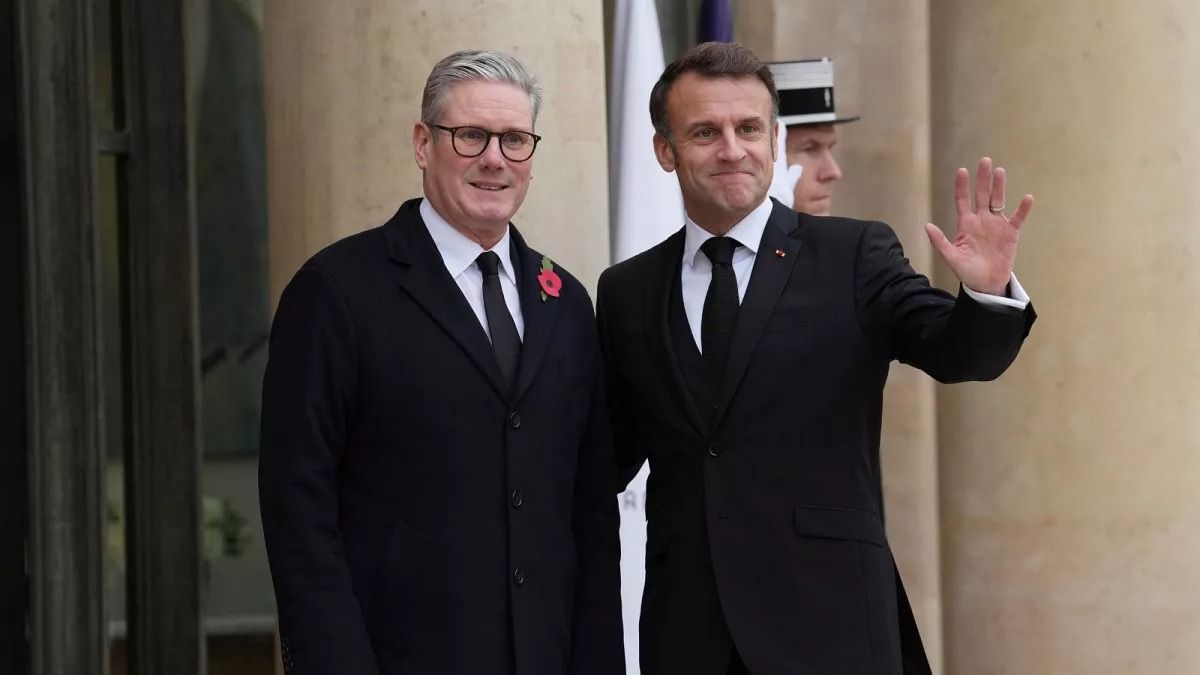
point(62, 339)
point(60, 438)
point(14, 513)
point(162, 461)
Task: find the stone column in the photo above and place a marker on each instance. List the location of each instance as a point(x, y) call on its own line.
point(344, 89)
point(881, 62)
point(1071, 514)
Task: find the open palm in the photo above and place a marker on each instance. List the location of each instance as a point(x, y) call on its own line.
point(984, 247)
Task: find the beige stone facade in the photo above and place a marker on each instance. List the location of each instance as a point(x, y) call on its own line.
point(1048, 522)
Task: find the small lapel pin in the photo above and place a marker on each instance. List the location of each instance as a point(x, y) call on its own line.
point(780, 252)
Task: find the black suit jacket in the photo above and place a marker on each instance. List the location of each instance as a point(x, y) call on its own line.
point(762, 510)
point(418, 517)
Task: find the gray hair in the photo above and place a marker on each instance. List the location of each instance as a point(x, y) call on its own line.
point(469, 65)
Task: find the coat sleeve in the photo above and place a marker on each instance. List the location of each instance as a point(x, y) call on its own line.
point(630, 447)
point(597, 636)
point(308, 394)
point(951, 339)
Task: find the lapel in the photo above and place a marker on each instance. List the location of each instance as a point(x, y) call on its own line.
point(664, 273)
point(767, 281)
point(426, 280)
point(540, 317)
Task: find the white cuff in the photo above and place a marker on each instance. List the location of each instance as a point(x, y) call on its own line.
point(1017, 297)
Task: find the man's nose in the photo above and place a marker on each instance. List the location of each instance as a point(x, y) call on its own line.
point(492, 157)
point(730, 148)
point(829, 170)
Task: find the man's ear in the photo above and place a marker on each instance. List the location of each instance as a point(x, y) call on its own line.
point(664, 152)
point(422, 139)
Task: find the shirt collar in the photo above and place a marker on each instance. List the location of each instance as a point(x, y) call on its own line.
point(460, 251)
point(748, 231)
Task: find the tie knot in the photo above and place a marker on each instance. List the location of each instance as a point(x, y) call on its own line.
point(489, 263)
point(720, 250)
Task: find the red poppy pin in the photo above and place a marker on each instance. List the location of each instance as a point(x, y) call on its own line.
point(551, 283)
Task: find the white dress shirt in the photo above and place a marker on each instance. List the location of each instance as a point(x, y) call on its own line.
point(696, 270)
point(459, 253)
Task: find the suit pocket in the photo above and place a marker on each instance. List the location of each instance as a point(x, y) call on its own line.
point(403, 586)
point(848, 550)
point(834, 523)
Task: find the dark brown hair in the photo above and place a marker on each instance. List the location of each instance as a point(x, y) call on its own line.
point(709, 59)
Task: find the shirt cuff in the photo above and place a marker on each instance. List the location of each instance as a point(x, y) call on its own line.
point(1017, 298)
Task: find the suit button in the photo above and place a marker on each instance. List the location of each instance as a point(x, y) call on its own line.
point(714, 450)
point(514, 421)
point(517, 499)
point(518, 577)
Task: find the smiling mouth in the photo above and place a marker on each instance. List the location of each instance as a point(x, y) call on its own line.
point(489, 187)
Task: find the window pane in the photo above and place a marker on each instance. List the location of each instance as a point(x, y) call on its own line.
point(112, 364)
point(234, 308)
point(106, 66)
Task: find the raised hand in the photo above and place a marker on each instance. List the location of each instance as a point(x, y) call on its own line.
point(984, 248)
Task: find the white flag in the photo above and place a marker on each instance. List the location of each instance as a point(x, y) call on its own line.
point(646, 204)
point(646, 208)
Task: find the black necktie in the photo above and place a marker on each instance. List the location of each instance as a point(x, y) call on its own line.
point(720, 305)
point(505, 340)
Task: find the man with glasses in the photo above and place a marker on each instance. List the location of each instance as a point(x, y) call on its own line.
point(437, 479)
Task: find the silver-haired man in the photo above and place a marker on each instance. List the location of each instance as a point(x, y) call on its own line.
point(437, 478)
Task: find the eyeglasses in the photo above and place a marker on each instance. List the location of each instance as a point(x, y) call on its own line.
point(516, 146)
